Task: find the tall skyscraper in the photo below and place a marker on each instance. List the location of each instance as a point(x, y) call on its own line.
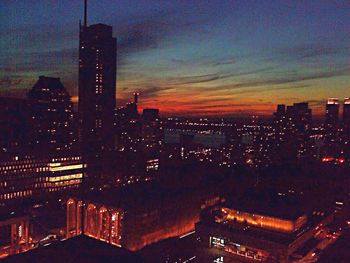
point(346, 129)
point(332, 116)
point(151, 132)
point(346, 116)
point(97, 90)
point(292, 130)
point(332, 141)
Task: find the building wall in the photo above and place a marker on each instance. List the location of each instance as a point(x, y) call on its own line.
point(27, 175)
point(263, 221)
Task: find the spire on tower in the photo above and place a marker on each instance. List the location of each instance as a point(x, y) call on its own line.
point(85, 13)
point(136, 96)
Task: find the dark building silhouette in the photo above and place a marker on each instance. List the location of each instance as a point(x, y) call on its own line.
point(346, 117)
point(128, 127)
point(332, 144)
point(13, 124)
point(97, 91)
point(332, 116)
point(151, 134)
point(346, 129)
point(51, 116)
point(291, 126)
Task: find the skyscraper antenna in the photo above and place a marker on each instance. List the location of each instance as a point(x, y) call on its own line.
point(85, 13)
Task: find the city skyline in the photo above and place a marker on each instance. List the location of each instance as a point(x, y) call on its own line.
point(110, 152)
point(221, 58)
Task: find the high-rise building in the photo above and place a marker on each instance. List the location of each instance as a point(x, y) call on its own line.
point(51, 116)
point(332, 141)
point(332, 116)
point(346, 129)
point(151, 133)
point(97, 90)
point(291, 129)
point(346, 116)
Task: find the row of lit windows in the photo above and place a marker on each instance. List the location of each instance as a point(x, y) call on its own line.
point(9, 189)
point(14, 181)
point(41, 169)
point(26, 193)
point(66, 167)
point(16, 194)
point(63, 188)
point(32, 163)
point(9, 170)
point(66, 177)
point(41, 186)
point(66, 159)
point(65, 183)
point(22, 162)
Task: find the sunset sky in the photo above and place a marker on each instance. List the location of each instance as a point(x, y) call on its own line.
point(212, 57)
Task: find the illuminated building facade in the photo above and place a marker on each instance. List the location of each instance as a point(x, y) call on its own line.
point(14, 235)
point(97, 92)
point(134, 220)
point(25, 176)
point(272, 236)
point(100, 222)
point(51, 116)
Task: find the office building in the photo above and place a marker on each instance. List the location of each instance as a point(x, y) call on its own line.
point(331, 117)
point(97, 92)
point(32, 176)
point(291, 127)
point(151, 130)
point(346, 117)
point(51, 116)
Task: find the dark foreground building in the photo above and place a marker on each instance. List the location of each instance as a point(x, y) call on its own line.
point(78, 249)
point(134, 217)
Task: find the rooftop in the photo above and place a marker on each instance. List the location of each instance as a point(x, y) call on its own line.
point(268, 205)
point(78, 249)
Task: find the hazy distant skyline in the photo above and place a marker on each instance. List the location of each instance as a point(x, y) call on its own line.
point(189, 57)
